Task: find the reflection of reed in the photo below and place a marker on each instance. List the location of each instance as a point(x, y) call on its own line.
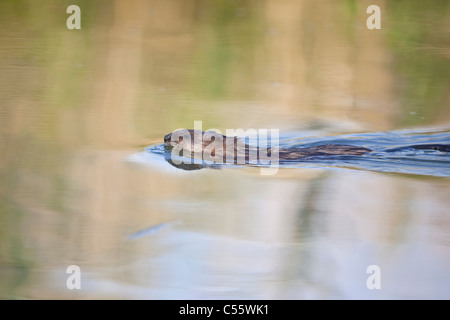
point(145, 61)
point(322, 72)
point(116, 82)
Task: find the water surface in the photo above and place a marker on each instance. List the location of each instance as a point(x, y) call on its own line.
point(78, 108)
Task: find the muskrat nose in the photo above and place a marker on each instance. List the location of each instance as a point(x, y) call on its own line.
point(167, 138)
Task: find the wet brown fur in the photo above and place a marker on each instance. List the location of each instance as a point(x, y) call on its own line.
point(240, 149)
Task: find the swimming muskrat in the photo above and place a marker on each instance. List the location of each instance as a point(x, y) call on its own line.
point(233, 148)
point(222, 149)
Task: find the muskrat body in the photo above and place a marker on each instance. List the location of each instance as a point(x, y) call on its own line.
point(194, 143)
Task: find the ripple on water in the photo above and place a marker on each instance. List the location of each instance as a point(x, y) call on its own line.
point(382, 159)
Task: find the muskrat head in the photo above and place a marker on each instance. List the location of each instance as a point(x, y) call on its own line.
point(191, 140)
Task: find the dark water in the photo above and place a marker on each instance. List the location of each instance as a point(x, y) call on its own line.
point(391, 152)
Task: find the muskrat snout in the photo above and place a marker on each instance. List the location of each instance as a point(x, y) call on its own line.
point(167, 138)
point(171, 143)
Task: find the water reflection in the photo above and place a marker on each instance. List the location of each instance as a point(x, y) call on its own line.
point(76, 105)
